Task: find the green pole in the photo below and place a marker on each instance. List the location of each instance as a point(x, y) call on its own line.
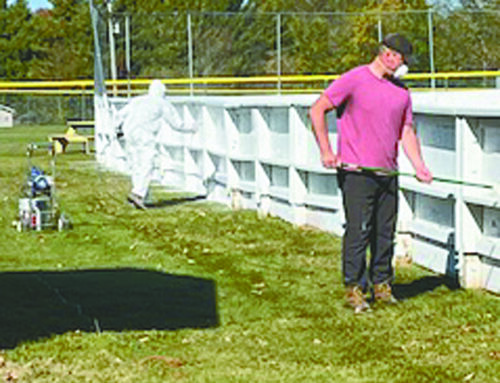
point(406, 174)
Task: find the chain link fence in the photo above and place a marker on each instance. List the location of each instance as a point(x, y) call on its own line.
point(199, 45)
point(54, 108)
point(171, 45)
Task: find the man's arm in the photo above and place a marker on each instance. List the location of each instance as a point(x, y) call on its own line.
point(172, 117)
point(119, 116)
point(411, 146)
point(317, 114)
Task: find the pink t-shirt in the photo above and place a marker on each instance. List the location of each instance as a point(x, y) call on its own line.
point(372, 123)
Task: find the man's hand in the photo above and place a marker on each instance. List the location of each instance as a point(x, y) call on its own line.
point(191, 127)
point(424, 174)
point(330, 160)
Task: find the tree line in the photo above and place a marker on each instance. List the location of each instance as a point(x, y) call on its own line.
point(240, 37)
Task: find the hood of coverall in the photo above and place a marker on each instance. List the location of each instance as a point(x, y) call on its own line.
point(156, 89)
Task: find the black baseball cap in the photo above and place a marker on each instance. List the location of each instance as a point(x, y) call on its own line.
point(400, 44)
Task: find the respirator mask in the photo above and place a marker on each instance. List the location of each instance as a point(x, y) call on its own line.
point(401, 71)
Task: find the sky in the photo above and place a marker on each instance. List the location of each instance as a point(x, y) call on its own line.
point(35, 4)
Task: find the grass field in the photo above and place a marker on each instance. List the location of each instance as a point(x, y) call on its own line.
point(197, 293)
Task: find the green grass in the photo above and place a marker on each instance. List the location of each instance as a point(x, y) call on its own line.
point(197, 293)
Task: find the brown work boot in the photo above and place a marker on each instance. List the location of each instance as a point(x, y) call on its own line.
point(356, 299)
point(382, 292)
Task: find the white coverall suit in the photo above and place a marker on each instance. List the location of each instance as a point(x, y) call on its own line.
point(142, 120)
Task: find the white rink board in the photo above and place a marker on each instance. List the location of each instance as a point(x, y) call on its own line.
point(260, 150)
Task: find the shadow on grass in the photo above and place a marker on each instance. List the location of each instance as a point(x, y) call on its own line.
point(404, 291)
point(175, 201)
point(40, 304)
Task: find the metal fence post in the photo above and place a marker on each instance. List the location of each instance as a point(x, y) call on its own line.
point(112, 46)
point(82, 104)
point(127, 51)
point(431, 47)
point(190, 53)
point(379, 28)
point(278, 48)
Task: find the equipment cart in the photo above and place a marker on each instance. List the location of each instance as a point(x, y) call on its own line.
point(38, 206)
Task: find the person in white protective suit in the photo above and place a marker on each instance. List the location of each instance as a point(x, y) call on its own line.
point(142, 119)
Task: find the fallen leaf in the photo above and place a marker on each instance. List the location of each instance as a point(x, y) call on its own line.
point(170, 362)
point(469, 377)
point(10, 376)
point(495, 355)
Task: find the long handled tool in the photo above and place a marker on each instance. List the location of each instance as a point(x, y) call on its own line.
point(406, 174)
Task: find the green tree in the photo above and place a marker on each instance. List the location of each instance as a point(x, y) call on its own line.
point(409, 17)
point(480, 4)
point(239, 37)
point(467, 40)
point(16, 40)
point(64, 41)
point(329, 36)
point(159, 36)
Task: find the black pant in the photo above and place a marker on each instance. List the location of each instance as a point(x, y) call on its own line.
point(370, 206)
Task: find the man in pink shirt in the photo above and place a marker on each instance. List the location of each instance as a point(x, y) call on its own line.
point(376, 114)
